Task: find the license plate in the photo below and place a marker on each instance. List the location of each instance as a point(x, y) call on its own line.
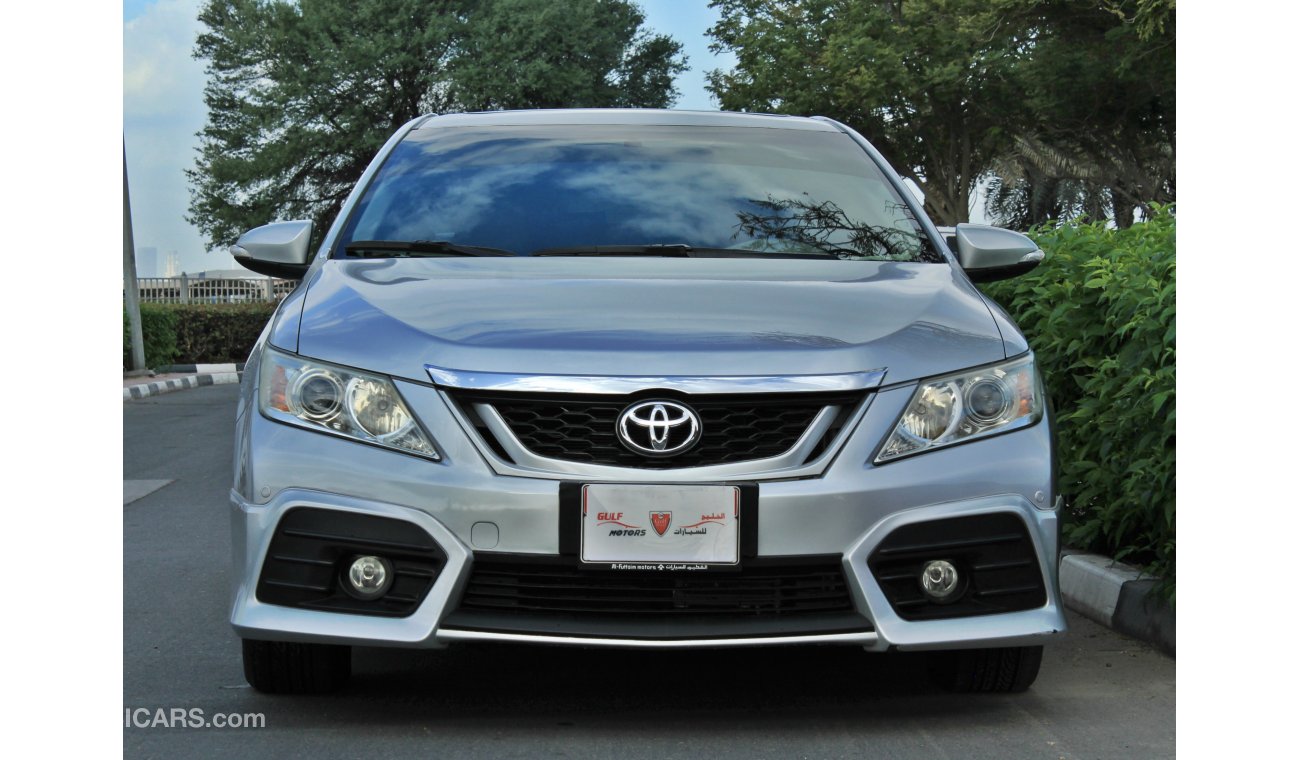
point(641, 527)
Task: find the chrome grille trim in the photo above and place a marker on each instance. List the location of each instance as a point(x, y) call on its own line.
point(864, 638)
point(788, 466)
point(627, 384)
point(526, 459)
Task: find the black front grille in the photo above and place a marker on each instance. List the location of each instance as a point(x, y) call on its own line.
point(814, 586)
point(579, 428)
point(312, 548)
point(992, 552)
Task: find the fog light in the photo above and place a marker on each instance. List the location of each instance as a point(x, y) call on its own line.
point(939, 580)
point(369, 577)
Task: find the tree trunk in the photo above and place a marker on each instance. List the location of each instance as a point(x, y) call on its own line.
point(1122, 207)
point(943, 206)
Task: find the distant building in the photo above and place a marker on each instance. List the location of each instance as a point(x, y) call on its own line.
point(173, 264)
point(228, 274)
point(146, 262)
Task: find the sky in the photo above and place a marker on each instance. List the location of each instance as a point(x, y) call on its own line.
point(162, 109)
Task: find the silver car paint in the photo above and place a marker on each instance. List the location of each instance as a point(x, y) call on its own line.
point(1014, 342)
point(845, 512)
point(382, 319)
point(284, 332)
point(278, 242)
point(667, 317)
point(615, 116)
point(981, 246)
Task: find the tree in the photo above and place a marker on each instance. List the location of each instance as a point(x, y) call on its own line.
point(302, 94)
point(1020, 196)
point(1098, 115)
point(563, 54)
point(1067, 105)
point(925, 80)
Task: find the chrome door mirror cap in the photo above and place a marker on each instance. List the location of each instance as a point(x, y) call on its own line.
point(279, 249)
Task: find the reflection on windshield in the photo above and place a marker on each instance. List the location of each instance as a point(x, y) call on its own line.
point(798, 225)
point(748, 189)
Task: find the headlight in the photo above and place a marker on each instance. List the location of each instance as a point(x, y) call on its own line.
point(341, 401)
point(972, 404)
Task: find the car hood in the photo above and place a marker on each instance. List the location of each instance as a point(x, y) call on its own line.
point(645, 317)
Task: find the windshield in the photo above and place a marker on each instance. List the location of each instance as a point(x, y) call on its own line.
point(753, 191)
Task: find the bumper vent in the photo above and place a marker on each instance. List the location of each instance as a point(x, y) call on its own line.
point(578, 428)
point(311, 549)
point(993, 552)
point(554, 596)
point(757, 591)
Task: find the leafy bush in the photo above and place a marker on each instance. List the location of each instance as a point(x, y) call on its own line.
point(1099, 313)
point(158, 325)
point(198, 333)
point(217, 333)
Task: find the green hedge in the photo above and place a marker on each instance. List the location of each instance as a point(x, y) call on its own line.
point(197, 333)
point(158, 324)
point(1099, 313)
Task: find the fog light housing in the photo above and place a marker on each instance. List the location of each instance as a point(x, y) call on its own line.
point(369, 577)
point(940, 581)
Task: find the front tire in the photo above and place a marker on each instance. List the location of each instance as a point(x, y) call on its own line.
point(1006, 670)
point(281, 667)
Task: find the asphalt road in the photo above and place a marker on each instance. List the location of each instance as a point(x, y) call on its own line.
point(1099, 694)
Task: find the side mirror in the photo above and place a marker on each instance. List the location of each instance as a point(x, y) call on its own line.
point(278, 249)
point(992, 253)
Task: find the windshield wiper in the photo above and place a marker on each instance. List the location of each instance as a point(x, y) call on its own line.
point(411, 249)
point(657, 249)
point(674, 250)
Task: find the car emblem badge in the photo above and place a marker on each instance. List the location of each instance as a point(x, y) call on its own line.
point(660, 521)
point(658, 428)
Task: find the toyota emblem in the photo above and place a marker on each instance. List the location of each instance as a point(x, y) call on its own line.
point(658, 428)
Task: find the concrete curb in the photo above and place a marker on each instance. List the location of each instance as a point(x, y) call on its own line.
point(145, 390)
point(1119, 597)
point(202, 369)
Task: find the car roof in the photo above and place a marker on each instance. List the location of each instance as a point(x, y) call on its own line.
point(628, 116)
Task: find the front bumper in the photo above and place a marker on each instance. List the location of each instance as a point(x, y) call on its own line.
point(428, 626)
point(846, 512)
